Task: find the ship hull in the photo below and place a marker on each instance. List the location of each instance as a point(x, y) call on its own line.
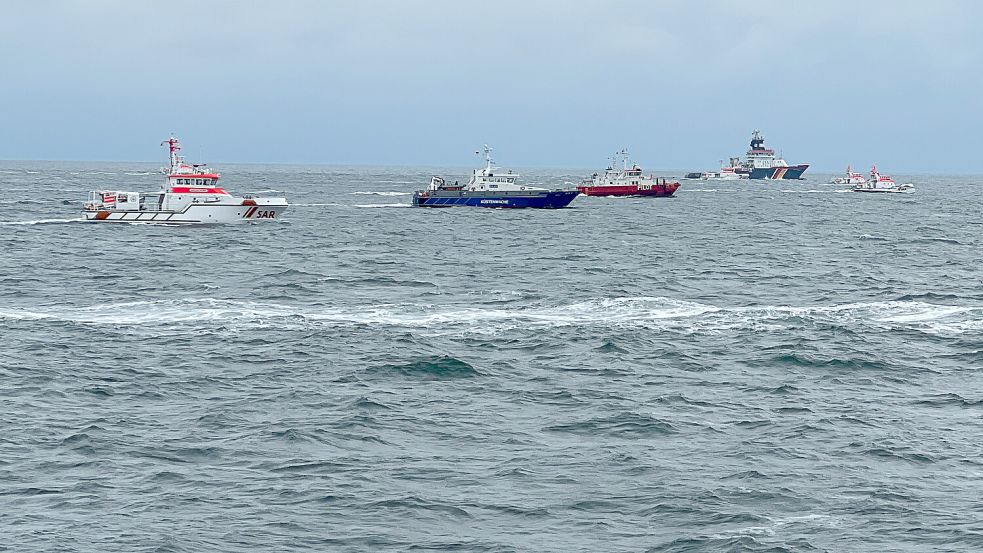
point(898, 190)
point(194, 214)
point(654, 190)
point(779, 173)
point(548, 200)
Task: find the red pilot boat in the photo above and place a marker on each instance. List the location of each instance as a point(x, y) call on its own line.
point(627, 181)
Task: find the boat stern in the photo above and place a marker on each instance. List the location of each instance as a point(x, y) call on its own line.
point(263, 209)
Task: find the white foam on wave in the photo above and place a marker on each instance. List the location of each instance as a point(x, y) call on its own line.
point(659, 313)
point(381, 193)
point(910, 312)
point(383, 205)
point(42, 221)
point(155, 312)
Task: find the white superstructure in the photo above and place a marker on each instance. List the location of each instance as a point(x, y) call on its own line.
point(189, 194)
point(490, 179)
point(850, 178)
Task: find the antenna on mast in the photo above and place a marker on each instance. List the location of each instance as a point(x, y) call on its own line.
point(174, 146)
point(488, 159)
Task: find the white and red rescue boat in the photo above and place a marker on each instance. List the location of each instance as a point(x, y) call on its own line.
point(878, 183)
point(190, 194)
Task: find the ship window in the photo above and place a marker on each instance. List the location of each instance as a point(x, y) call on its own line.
point(492, 186)
point(198, 182)
point(511, 180)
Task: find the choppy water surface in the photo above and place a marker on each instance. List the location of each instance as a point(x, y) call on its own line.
point(746, 366)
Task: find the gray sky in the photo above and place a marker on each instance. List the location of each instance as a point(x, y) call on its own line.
point(547, 83)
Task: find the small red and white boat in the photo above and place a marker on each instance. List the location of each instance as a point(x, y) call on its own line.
point(725, 173)
point(881, 183)
point(850, 178)
point(627, 181)
point(190, 194)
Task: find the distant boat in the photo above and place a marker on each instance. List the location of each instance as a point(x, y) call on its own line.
point(491, 187)
point(627, 181)
point(850, 178)
point(882, 184)
point(725, 173)
point(761, 162)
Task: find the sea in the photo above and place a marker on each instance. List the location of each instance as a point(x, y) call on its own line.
point(746, 366)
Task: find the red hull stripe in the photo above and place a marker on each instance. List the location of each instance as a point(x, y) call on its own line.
point(193, 176)
point(249, 212)
point(197, 190)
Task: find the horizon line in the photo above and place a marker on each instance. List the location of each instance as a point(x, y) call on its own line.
point(338, 164)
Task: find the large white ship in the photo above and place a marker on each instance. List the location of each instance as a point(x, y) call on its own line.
point(190, 194)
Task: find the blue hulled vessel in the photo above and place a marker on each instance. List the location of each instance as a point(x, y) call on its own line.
point(762, 164)
point(491, 187)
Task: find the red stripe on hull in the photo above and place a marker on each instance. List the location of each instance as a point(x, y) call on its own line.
point(197, 190)
point(657, 190)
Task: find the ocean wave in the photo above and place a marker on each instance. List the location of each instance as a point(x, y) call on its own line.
point(42, 221)
point(638, 312)
point(382, 205)
point(430, 368)
point(381, 193)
